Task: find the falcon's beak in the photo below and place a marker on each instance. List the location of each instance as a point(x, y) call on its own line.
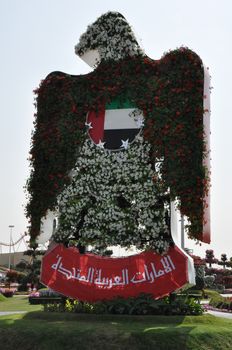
point(91, 57)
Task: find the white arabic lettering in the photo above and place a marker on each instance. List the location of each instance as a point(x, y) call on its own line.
point(94, 276)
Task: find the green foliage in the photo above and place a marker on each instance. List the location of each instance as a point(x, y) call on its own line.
point(222, 276)
point(14, 276)
point(141, 305)
point(200, 277)
point(31, 269)
point(223, 261)
point(209, 293)
point(229, 263)
point(210, 258)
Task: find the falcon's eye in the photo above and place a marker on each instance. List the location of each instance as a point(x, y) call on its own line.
point(122, 202)
point(115, 126)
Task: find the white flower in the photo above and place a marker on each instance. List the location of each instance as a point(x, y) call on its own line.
point(107, 177)
point(112, 40)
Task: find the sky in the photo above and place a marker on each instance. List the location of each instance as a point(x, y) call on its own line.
point(38, 37)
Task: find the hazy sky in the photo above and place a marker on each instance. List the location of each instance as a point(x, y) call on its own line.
point(38, 37)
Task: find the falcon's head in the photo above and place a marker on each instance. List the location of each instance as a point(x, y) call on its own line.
point(109, 37)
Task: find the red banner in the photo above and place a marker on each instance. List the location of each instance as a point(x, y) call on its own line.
point(90, 277)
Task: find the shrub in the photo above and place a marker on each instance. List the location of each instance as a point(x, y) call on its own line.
point(7, 292)
point(141, 305)
point(46, 292)
point(45, 296)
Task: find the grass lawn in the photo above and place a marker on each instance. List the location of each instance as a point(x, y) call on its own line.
point(57, 331)
point(18, 303)
point(38, 330)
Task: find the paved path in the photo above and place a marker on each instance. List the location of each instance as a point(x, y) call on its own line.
point(4, 313)
point(220, 314)
point(226, 295)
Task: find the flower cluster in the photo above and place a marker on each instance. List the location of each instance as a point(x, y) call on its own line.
point(113, 199)
point(112, 36)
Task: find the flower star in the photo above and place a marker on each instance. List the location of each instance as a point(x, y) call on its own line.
point(125, 144)
point(101, 144)
point(89, 125)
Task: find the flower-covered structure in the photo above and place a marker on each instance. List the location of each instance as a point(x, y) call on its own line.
point(112, 36)
point(107, 197)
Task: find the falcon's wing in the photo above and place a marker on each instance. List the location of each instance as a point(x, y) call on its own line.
point(58, 130)
point(180, 127)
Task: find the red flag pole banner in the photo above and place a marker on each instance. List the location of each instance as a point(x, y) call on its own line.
point(91, 278)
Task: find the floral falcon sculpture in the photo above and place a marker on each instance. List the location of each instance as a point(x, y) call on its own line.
point(117, 151)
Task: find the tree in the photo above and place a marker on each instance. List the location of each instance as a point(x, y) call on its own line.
point(210, 258)
point(199, 265)
point(198, 261)
point(223, 261)
point(209, 281)
point(14, 276)
point(31, 268)
point(200, 277)
point(227, 281)
point(229, 263)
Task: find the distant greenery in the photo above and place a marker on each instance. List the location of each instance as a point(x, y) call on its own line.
point(60, 331)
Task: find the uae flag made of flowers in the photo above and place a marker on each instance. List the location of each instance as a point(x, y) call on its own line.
point(115, 125)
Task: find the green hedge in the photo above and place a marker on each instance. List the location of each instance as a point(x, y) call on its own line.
point(142, 305)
